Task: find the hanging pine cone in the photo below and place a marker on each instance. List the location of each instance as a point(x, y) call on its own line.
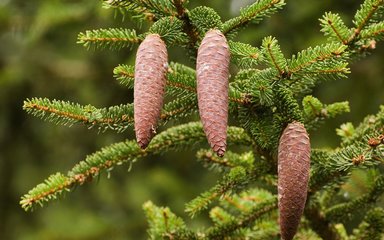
point(293, 175)
point(150, 78)
point(212, 69)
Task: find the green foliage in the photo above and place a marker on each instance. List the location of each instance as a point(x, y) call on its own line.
point(273, 55)
point(244, 55)
point(113, 38)
point(57, 184)
point(375, 31)
point(234, 179)
point(175, 138)
point(372, 227)
point(316, 112)
point(264, 96)
point(252, 13)
point(170, 30)
point(156, 8)
point(334, 28)
point(370, 11)
point(165, 224)
point(342, 212)
point(204, 18)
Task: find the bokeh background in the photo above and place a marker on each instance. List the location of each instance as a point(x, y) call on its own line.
point(39, 57)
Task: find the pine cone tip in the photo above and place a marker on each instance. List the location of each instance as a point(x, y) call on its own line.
point(220, 152)
point(142, 144)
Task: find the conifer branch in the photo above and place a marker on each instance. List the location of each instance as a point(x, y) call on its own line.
point(113, 38)
point(362, 17)
point(182, 136)
point(315, 112)
point(180, 7)
point(253, 13)
point(157, 8)
point(334, 28)
point(131, 7)
point(236, 178)
point(372, 226)
point(226, 229)
point(375, 31)
point(118, 118)
point(320, 55)
point(334, 167)
point(184, 15)
point(52, 188)
point(244, 55)
point(163, 224)
point(230, 160)
point(170, 30)
point(287, 105)
point(204, 19)
point(371, 126)
point(342, 211)
point(273, 55)
point(319, 223)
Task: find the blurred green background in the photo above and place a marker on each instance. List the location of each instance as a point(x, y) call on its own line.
point(39, 57)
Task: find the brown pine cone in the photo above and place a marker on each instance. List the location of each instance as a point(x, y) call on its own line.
point(150, 78)
point(293, 175)
point(212, 69)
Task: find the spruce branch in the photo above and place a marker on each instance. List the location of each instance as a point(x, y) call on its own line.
point(375, 31)
point(368, 11)
point(246, 200)
point(370, 126)
point(125, 74)
point(131, 8)
point(226, 229)
point(230, 160)
point(241, 204)
point(118, 118)
point(180, 78)
point(203, 19)
point(342, 211)
point(332, 168)
point(244, 55)
point(52, 188)
point(252, 13)
point(319, 224)
point(287, 106)
point(372, 226)
point(158, 8)
point(334, 28)
point(273, 55)
point(180, 7)
point(236, 178)
point(164, 224)
point(112, 38)
point(170, 30)
point(66, 113)
point(319, 59)
point(220, 215)
point(179, 137)
point(315, 112)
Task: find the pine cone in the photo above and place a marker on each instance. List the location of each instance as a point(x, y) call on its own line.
point(293, 171)
point(212, 69)
point(150, 78)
